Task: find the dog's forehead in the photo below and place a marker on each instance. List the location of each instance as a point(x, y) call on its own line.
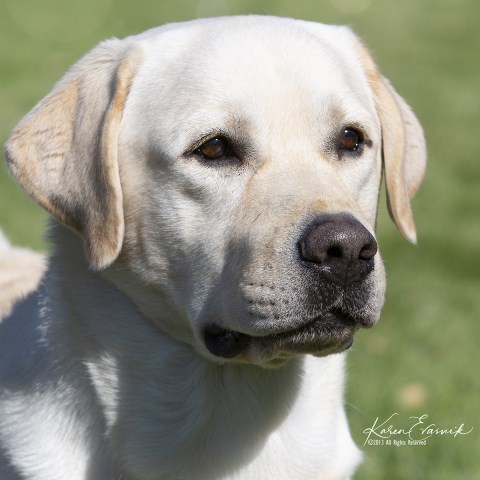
point(252, 52)
point(246, 27)
point(259, 72)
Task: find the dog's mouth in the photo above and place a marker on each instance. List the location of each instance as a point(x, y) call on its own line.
point(332, 332)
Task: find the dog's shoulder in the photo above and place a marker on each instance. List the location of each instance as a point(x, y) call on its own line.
point(20, 273)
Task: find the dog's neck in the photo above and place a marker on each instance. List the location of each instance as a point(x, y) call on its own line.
point(167, 411)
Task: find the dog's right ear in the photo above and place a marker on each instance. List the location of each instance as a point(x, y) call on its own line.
point(64, 152)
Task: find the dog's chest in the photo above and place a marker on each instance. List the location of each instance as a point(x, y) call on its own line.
point(240, 424)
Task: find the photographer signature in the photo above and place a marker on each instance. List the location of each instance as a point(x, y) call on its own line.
point(420, 429)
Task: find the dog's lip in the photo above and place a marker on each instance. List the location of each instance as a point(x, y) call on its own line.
point(331, 332)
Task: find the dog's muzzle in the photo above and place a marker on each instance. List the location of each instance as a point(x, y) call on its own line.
point(336, 253)
point(331, 333)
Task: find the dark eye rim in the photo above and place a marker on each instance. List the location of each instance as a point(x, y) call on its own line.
point(195, 150)
point(363, 140)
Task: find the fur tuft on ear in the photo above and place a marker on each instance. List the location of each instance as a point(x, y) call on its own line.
point(404, 150)
point(64, 152)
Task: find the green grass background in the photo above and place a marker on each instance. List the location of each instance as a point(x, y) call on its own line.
point(423, 357)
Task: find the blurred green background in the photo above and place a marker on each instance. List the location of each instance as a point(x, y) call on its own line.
point(423, 357)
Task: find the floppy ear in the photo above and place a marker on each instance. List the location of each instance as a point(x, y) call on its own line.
point(404, 150)
point(64, 152)
point(404, 155)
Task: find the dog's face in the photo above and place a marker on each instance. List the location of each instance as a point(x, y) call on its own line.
point(230, 171)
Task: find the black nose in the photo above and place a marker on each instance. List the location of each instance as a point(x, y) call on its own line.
point(340, 247)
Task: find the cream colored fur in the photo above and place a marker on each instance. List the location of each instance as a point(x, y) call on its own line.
point(104, 373)
point(20, 274)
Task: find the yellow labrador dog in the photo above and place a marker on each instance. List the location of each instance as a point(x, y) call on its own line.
point(213, 189)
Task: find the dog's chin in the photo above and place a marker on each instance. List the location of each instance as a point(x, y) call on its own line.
point(329, 333)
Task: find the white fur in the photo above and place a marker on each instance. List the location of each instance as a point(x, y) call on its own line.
point(4, 243)
point(104, 374)
point(20, 272)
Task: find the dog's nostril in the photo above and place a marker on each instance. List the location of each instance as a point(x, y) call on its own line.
point(335, 252)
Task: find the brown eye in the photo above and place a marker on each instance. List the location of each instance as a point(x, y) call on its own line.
point(350, 139)
point(214, 149)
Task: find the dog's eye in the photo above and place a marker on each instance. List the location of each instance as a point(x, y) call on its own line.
point(214, 149)
point(350, 139)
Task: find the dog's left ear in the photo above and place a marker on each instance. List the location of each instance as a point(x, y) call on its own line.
point(403, 143)
point(64, 152)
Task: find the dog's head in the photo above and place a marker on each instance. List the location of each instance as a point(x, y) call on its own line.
point(224, 174)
